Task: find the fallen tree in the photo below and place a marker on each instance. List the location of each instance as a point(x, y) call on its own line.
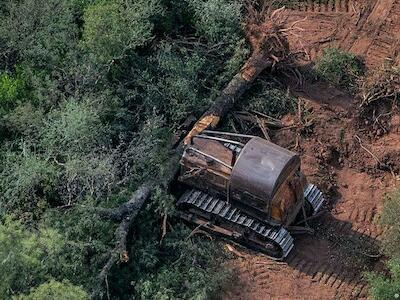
point(267, 37)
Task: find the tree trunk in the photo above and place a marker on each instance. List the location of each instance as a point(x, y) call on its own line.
point(231, 93)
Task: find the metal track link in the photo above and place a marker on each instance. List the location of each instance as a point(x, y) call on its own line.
point(233, 147)
point(225, 211)
point(314, 196)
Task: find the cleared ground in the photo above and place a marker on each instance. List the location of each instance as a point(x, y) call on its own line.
point(339, 152)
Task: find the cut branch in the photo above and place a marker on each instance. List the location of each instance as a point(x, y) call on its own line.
point(127, 213)
point(130, 208)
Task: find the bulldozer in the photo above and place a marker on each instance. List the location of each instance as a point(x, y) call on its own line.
point(247, 189)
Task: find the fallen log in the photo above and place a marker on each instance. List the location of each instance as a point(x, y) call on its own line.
point(269, 46)
point(126, 214)
point(233, 91)
point(268, 41)
point(128, 208)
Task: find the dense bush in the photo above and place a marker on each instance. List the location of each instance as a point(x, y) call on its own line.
point(382, 287)
point(269, 98)
point(33, 32)
point(90, 92)
point(55, 290)
point(27, 184)
point(217, 20)
point(193, 271)
point(339, 68)
point(111, 28)
point(23, 254)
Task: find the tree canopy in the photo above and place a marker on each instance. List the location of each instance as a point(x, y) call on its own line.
point(90, 93)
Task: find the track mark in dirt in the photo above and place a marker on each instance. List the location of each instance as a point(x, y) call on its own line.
point(337, 6)
point(367, 28)
point(329, 264)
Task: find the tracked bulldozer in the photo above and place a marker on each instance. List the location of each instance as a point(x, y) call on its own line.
point(246, 189)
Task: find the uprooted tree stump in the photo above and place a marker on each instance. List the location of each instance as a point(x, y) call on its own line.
point(268, 40)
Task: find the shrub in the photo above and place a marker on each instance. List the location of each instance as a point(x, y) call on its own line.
point(73, 130)
point(111, 28)
point(217, 20)
point(93, 175)
point(339, 68)
point(382, 287)
point(13, 90)
point(26, 121)
point(53, 290)
point(26, 184)
point(270, 99)
point(192, 269)
point(175, 91)
point(391, 217)
point(22, 254)
point(36, 33)
point(179, 85)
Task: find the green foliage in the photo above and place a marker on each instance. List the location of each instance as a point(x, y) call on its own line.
point(217, 20)
point(270, 99)
point(240, 52)
point(26, 184)
point(88, 242)
point(196, 268)
point(90, 91)
point(339, 68)
point(192, 263)
point(391, 217)
point(22, 254)
point(13, 90)
point(53, 290)
point(36, 34)
point(114, 27)
point(382, 287)
point(176, 92)
point(25, 120)
point(74, 129)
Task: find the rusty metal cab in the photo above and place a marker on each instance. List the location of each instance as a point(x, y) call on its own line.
point(261, 177)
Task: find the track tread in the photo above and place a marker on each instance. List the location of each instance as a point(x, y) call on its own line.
point(216, 207)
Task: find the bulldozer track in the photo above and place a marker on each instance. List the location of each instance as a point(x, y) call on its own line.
point(384, 43)
point(212, 208)
point(314, 196)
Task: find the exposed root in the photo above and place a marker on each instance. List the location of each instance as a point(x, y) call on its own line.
point(380, 86)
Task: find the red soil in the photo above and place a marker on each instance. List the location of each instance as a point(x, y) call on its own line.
point(329, 265)
point(369, 28)
point(353, 161)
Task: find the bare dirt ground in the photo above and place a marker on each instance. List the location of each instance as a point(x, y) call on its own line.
point(354, 160)
point(369, 28)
